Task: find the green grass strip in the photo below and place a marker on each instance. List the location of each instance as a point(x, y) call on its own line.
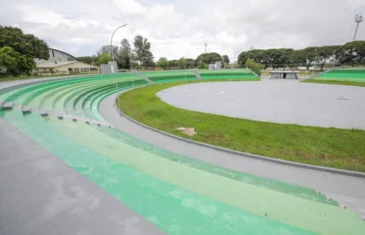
point(331, 147)
point(336, 82)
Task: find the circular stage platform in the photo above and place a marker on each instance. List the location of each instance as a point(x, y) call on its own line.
point(278, 101)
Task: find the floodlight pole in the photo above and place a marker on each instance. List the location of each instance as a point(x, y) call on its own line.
point(131, 66)
point(111, 50)
point(206, 44)
point(358, 20)
point(185, 65)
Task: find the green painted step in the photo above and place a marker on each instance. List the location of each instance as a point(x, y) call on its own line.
point(294, 190)
point(247, 197)
point(174, 210)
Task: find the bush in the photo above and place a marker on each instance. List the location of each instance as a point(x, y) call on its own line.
point(255, 67)
point(203, 66)
point(14, 63)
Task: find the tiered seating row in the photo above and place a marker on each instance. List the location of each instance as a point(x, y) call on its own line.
point(179, 194)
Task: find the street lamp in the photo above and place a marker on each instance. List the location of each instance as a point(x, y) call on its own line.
point(113, 68)
point(358, 20)
point(111, 40)
point(185, 64)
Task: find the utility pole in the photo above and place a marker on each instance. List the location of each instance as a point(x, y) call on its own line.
point(206, 44)
point(113, 68)
point(358, 20)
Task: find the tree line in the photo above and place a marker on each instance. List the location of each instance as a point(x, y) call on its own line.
point(141, 57)
point(17, 51)
point(351, 53)
point(201, 61)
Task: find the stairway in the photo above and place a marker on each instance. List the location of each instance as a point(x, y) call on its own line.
point(143, 77)
point(197, 74)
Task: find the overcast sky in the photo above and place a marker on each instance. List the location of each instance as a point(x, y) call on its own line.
point(178, 28)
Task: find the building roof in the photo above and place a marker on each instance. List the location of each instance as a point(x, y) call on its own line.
point(63, 52)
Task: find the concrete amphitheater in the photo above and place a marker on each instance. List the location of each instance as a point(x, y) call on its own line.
point(70, 164)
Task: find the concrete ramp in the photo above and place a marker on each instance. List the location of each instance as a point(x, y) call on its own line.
point(197, 75)
point(143, 77)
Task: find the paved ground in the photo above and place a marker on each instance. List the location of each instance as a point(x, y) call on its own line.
point(40, 194)
point(346, 190)
point(279, 101)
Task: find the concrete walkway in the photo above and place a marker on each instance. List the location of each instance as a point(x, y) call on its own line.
point(346, 190)
point(40, 194)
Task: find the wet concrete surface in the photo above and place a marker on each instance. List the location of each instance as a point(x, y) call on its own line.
point(40, 194)
point(348, 191)
point(278, 101)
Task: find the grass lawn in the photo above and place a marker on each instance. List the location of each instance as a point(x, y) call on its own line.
point(335, 82)
point(331, 147)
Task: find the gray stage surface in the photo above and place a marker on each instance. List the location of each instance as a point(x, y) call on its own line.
point(279, 101)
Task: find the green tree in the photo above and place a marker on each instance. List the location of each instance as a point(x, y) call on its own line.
point(15, 63)
point(209, 58)
point(254, 66)
point(190, 63)
point(104, 58)
point(353, 53)
point(124, 57)
point(108, 49)
point(162, 63)
point(324, 54)
point(242, 58)
point(182, 63)
point(172, 63)
point(225, 59)
point(310, 54)
point(297, 58)
point(26, 44)
point(87, 59)
point(256, 54)
point(285, 58)
point(203, 65)
point(142, 49)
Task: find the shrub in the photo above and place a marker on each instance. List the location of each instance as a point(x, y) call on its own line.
point(203, 66)
point(255, 67)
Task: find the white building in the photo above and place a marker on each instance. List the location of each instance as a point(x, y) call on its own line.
point(72, 67)
point(60, 62)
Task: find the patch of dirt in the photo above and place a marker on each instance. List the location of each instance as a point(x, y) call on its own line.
point(189, 131)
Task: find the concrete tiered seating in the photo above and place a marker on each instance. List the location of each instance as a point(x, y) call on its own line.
point(178, 194)
point(170, 76)
point(231, 74)
point(355, 75)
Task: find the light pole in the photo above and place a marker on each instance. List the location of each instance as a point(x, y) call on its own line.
point(358, 20)
point(111, 41)
point(113, 68)
point(185, 64)
point(131, 67)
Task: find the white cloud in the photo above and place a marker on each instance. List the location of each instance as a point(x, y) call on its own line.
point(39, 15)
point(130, 7)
